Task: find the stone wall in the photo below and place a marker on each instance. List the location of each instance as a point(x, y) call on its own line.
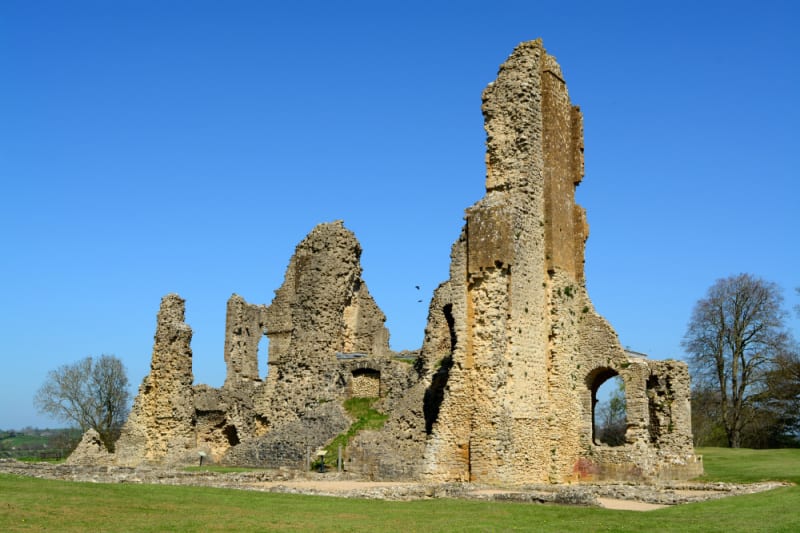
point(530, 351)
point(505, 385)
point(366, 384)
point(323, 307)
point(161, 423)
point(90, 451)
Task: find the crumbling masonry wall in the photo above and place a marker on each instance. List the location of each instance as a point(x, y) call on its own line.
point(530, 349)
point(161, 423)
point(245, 324)
point(505, 385)
point(322, 309)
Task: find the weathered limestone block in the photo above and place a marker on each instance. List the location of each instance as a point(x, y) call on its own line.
point(160, 426)
point(90, 451)
point(366, 384)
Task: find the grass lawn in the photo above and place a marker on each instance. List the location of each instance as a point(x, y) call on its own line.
point(35, 505)
point(746, 466)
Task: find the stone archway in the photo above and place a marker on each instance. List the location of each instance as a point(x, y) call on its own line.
point(609, 407)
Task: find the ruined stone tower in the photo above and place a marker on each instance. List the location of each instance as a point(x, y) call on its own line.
point(505, 385)
point(528, 350)
point(161, 423)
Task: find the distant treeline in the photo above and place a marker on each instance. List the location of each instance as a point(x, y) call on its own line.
point(38, 444)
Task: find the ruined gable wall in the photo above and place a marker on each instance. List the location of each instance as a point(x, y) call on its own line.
point(160, 425)
point(322, 307)
point(304, 324)
point(308, 314)
point(555, 423)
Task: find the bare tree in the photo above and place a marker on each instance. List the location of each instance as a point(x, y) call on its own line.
point(707, 429)
point(734, 337)
point(91, 393)
point(781, 400)
point(612, 418)
point(797, 307)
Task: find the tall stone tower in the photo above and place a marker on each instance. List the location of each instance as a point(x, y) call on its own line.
point(528, 351)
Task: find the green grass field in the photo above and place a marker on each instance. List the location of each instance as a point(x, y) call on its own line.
point(28, 504)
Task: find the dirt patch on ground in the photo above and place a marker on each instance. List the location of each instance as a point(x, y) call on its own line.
point(629, 505)
point(332, 485)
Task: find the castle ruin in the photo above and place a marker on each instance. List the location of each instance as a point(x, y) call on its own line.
point(503, 389)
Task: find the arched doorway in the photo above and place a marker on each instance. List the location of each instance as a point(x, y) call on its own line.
point(609, 407)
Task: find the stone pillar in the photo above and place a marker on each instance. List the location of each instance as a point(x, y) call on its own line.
point(244, 326)
point(160, 425)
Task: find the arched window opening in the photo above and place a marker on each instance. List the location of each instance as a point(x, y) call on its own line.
point(609, 409)
point(366, 383)
point(263, 352)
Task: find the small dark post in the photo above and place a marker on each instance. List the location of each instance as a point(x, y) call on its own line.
point(321, 458)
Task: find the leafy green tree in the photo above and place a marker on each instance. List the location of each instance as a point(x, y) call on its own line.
point(707, 428)
point(90, 393)
point(735, 336)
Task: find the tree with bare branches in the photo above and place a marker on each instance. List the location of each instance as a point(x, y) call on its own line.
point(735, 335)
point(90, 393)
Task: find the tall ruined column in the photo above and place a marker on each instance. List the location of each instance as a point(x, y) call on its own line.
point(530, 350)
point(161, 426)
point(500, 294)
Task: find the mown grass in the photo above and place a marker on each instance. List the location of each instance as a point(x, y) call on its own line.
point(748, 466)
point(35, 505)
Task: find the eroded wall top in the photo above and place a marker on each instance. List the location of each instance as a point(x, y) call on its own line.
point(323, 305)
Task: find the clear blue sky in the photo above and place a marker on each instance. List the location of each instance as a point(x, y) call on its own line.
point(151, 147)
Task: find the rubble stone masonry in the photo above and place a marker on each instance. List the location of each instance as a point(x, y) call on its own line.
point(503, 389)
point(530, 350)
